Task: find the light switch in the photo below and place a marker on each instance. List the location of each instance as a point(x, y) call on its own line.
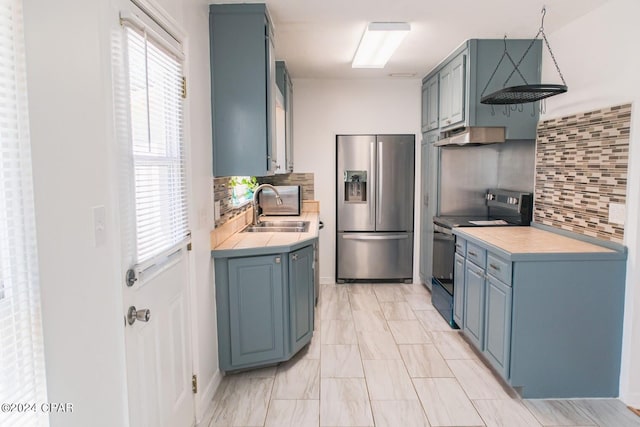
point(99, 226)
point(617, 213)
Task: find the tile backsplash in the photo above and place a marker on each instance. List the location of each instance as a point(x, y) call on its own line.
point(581, 168)
point(222, 192)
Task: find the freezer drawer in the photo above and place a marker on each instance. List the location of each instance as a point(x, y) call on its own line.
point(374, 256)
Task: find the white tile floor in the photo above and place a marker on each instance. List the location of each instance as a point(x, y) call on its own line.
point(382, 356)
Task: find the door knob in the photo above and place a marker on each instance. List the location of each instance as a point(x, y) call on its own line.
point(142, 315)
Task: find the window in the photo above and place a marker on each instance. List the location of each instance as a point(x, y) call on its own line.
point(155, 142)
point(22, 376)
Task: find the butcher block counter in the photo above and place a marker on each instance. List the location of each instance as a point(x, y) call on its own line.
point(529, 243)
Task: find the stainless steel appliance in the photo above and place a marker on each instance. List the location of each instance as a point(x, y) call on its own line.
point(291, 200)
point(503, 208)
point(375, 182)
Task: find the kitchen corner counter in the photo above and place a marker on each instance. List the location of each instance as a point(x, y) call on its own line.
point(535, 244)
point(249, 244)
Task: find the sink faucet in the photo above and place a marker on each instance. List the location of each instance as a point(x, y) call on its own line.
point(256, 204)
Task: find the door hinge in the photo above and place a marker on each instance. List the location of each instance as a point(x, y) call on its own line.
point(184, 87)
point(194, 384)
point(189, 247)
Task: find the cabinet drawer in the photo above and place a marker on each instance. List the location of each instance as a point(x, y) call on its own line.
point(499, 268)
point(461, 246)
point(476, 254)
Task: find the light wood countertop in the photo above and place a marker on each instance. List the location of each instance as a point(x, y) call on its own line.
point(529, 240)
point(249, 241)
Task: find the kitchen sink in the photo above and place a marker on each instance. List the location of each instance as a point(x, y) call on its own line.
point(278, 227)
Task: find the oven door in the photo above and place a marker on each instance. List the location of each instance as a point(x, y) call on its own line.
point(444, 247)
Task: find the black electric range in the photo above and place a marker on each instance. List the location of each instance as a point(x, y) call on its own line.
point(504, 208)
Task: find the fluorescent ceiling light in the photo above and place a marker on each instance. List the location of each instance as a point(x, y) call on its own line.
point(378, 43)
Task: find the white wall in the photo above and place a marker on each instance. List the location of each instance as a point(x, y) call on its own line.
point(326, 108)
point(597, 55)
point(75, 168)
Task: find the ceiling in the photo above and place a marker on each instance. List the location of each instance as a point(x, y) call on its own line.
point(317, 38)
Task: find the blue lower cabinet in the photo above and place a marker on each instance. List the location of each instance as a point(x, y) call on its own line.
point(265, 307)
point(549, 324)
point(497, 334)
point(256, 308)
point(474, 304)
point(301, 297)
point(458, 290)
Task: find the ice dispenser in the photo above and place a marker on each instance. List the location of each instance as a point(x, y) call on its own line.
point(355, 186)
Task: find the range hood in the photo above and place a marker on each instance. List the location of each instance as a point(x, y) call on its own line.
point(473, 136)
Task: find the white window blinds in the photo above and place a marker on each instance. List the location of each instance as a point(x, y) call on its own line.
point(22, 377)
point(155, 87)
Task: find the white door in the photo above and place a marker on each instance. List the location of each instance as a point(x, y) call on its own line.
point(148, 70)
point(159, 350)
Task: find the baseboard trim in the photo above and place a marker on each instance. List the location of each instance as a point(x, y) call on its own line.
point(206, 401)
point(327, 280)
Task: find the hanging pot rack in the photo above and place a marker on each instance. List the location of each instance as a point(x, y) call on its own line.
point(528, 92)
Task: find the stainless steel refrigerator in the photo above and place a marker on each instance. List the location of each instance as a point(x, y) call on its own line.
point(374, 207)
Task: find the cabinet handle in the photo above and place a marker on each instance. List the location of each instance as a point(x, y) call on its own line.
point(473, 253)
point(294, 257)
point(495, 267)
point(277, 260)
point(459, 247)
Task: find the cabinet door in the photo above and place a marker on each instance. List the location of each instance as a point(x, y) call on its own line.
point(425, 107)
point(432, 103)
point(498, 325)
point(444, 103)
point(473, 316)
point(453, 91)
point(256, 310)
point(301, 297)
point(272, 156)
point(458, 92)
point(458, 290)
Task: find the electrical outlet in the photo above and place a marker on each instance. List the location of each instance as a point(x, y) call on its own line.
point(617, 213)
point(216, 210)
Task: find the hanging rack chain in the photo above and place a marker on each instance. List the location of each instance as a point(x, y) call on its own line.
point(505, 53)
point(544, 36)
point(522, 57)
point(546, 42)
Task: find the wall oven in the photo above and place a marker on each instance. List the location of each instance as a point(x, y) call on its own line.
point(504, 208)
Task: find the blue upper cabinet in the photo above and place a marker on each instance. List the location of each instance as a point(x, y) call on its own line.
point(242, 89)
point(467, 73)
point(430, 104)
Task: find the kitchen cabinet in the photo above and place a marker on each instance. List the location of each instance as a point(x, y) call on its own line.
point(265, 307)
point(486, 303)
point(452, 91)
point(463, 77)
point(256, 304)
point(498, 324)
point(428, 198)
point(458, 289)
point(301, 297)
point(283, 80)
point(549, 321)
point(474, 313)
point(430, 94)
point(243, 82)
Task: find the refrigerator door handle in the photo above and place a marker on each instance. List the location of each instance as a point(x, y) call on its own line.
point(373, 179)
point(379, 185)
point(383, 237)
